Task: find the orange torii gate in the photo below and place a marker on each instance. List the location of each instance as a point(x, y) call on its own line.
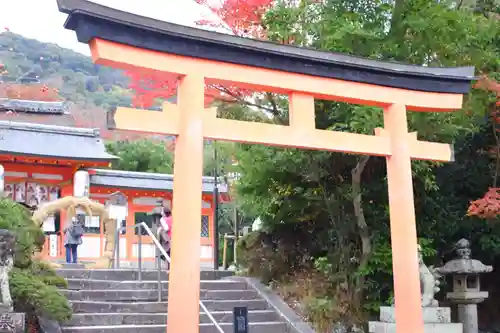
point(128, 41)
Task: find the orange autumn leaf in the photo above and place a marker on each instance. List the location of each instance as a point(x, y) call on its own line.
point(486, 207)
point(33, 92)
point(241, 17)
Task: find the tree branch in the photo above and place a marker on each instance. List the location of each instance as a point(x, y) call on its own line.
point(364, 233)
point(239, 99)
point(275, 109)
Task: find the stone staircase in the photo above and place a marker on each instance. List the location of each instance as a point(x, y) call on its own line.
point(114, 301)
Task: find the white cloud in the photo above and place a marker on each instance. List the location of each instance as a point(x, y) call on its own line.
point(41, 19)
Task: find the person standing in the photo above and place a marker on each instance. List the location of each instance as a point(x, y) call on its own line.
point(72, 239)
point(166, 230)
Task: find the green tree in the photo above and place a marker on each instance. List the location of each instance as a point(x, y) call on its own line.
point(33, 284)
point(156, 156)
point(322, 205)
point(84, 82)
point(142, 155)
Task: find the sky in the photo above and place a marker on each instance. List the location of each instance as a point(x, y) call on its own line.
point(41, 19)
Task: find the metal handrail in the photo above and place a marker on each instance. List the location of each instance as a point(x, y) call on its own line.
point(159, 248)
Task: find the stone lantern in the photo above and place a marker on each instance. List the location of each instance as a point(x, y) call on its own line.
point(466, 284)
point(117, 205)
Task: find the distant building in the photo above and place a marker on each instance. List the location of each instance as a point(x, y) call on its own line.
point(61, 113)
point(42, 163)
point(35, 107)
point(23, 80)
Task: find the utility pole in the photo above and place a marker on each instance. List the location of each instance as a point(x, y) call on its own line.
point(216, 209)
point(236, 231)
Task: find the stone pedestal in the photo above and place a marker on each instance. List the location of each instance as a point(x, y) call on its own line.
point(436, 320)
point(11, 322)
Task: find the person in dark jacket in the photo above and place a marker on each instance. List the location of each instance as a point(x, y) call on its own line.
point(72, 239)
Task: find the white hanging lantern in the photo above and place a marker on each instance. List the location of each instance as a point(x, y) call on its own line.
point(2, 179)
point(81, 184)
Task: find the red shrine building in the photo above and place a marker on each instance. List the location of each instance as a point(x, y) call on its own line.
point(40, 163)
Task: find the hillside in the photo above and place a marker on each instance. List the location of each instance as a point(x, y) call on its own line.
point(73, 74)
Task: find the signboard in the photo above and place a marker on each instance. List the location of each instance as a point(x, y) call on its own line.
point(53, 245)
point(30, 193)
point(117, 205)
point(240, 317)
point(11, 322)
point(7, 323)
point(117, 212)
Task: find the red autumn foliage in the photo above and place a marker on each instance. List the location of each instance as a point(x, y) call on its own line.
point(34, 92)
point(488, 206)
point(148, 86)
point(242, 17)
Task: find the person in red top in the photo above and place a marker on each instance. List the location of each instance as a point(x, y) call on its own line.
point(166, 230)
point(167, 221)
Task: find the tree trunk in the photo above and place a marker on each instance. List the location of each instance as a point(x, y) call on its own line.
point(397, 16)
point(364, 233)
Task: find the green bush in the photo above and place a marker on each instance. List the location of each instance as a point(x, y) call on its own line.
point(29, 237)
point(33, 295)
point(326, 292)
point(322, 312)
point(261, 259)
point(33, 284)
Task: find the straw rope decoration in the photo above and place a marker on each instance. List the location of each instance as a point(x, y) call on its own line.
point(70, 205)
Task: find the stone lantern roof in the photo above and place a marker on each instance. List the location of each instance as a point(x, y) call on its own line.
point(464, 264)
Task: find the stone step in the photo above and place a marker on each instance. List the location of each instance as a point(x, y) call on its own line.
point(262, 327)
point(379, 327)
point(102, 319)
point(429, 314)
point(71, 266)
point(130, 274)
point(155, 307)
point(86, 284)
point(152, 295)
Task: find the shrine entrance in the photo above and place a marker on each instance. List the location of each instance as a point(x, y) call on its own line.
point(128, 41)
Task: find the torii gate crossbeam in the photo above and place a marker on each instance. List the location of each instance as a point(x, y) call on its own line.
point(128, 41)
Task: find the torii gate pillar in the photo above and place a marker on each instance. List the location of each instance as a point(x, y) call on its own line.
point(401, 212)
point(199, 57)
point(186, 207)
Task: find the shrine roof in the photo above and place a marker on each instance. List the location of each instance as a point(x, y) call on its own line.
point(27, 139)
point(143, 180)
point(91, 20)
point(35, 107)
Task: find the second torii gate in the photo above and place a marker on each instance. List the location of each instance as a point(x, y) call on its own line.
point(128, 41)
